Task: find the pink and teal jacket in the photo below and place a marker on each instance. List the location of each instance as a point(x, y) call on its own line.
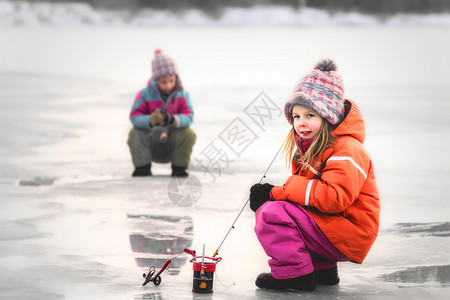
point(149, 99)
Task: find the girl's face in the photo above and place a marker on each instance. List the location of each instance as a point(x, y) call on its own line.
point(306, 122)
point(166, 83)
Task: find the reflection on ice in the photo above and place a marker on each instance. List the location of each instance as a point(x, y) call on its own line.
point(421, 274)
point(438, 229)
point(155, 244)
point(38, 181)
point(150, 296)
point(173, 269)
point(157, 238)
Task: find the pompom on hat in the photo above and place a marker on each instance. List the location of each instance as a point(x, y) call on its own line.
point(322, 91)
point(163, 65)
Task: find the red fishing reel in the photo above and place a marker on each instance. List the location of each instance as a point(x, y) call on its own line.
point(156, 279)
point(149, 276)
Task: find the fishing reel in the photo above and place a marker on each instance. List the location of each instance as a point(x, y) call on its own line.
point(149, 277)
point(151, 271)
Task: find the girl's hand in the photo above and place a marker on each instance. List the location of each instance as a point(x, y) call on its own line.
point(156, 118)
point(259, 194)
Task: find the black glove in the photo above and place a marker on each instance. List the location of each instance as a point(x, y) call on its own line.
point(168, 119)
point(259, 194)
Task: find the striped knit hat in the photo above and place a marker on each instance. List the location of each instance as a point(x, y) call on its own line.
point(162, 65)
point(321, 91)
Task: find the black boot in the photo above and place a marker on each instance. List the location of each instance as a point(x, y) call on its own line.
point(327, 276)
point(179, 171)
point(142, 171)
point(301, 283)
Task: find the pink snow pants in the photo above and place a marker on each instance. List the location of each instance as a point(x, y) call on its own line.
point(291, 237)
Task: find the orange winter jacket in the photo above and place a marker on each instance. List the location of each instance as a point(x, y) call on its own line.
point(340, 191)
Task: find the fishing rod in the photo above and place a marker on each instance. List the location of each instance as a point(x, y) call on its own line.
point(246, 202)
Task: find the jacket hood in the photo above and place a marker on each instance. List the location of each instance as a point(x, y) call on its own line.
point(353, 124)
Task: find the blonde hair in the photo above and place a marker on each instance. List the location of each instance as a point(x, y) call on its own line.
point(323, 140)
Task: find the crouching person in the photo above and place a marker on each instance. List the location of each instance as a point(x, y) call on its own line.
point(161, 116)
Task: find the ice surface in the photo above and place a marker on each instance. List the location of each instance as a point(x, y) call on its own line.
point(75, 225)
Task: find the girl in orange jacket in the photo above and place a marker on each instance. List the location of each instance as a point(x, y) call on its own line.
point(328, 210)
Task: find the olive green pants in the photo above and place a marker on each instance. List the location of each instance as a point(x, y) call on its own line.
point(147, 146)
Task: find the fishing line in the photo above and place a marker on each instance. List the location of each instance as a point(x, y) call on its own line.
point(246, 202)
point(225, 286)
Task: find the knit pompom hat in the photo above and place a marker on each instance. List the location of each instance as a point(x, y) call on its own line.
point(321, 91)
point(163, 65)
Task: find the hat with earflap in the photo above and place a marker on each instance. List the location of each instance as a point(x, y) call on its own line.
point(163, 65)
point(322, 91)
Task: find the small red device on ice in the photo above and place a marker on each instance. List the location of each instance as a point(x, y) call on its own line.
point(204, 268)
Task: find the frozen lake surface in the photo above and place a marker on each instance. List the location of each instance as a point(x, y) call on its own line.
point(75, 225)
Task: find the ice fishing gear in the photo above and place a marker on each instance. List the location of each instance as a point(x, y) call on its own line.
point(245, 204)
point(204, 268)
point(157, 278)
